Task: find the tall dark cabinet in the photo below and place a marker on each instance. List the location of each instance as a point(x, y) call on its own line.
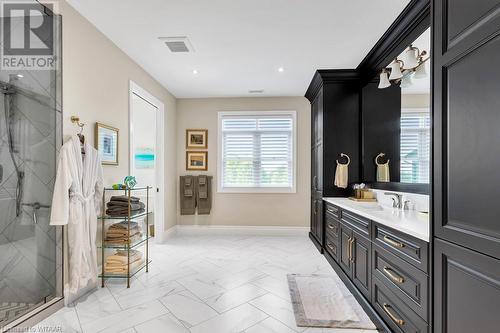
point(335, 117)
point(466, 167)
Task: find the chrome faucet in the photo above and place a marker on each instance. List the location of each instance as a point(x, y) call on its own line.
point(397, 199)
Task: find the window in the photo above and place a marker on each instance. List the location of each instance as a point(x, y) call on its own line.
point(257, 151)
point(415, 145)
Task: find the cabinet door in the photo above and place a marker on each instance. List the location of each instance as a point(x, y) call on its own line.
point(314, 208)
point(319, 221)
point(319, 118)
point(314, 169)
point(361, 263)
point(467, 290)
point(345, 248)
point(466, 119)
point(319, 167)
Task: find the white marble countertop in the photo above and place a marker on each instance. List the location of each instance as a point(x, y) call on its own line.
point(409, 222)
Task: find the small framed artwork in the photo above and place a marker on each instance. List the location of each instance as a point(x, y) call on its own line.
point(197, 160)
point(106, 141)
point(196, 138)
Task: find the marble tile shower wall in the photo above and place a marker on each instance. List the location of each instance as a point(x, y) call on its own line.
point(28, 266)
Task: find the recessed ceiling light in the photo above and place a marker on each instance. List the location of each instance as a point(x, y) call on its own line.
point(281, 69)
point(195, 71)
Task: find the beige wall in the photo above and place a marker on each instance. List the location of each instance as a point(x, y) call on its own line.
point(415, 100)
point(256, 209)
point(96, 76)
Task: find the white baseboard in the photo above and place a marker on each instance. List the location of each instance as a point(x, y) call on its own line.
point(241, 230)
point(169, 233)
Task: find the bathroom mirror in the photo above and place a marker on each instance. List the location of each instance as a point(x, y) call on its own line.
point(397, 123)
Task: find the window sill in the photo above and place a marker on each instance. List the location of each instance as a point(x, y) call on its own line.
point(257, 190)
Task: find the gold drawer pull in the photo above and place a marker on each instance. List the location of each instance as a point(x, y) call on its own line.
point(394, 277)
point(349, 249)
point(350, 243)
point(331, 210)
point(393, 242)
point(398, 321)
point(330, 246)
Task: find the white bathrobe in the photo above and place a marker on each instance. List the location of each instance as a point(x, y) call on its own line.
point(75, 203)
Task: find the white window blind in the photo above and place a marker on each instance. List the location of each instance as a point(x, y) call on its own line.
point(415, 146)
point(257, 151)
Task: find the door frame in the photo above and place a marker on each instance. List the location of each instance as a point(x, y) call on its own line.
point(159, 215)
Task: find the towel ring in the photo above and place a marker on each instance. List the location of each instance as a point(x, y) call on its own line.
point(348, 159)
point(377, 157)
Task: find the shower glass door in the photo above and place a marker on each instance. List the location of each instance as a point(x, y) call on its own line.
point(30, 136)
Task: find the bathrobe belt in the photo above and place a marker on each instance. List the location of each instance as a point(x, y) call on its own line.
point(75, 196)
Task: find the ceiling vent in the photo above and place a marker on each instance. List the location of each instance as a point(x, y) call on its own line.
point(256, 91)
point(178, 44)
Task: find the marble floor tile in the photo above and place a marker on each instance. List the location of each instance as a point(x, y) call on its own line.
point(97, 304)
point(234, 297)
point(166, 323)
point(277, 308)
point(232, 321)
point(149, 293)
point(126, 319)
point(276, 286)
point(66, 320)
point(203, 284)
point(188, 308)
point(237, 279)
point(270, 325)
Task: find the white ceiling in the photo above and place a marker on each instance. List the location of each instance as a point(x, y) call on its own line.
point(239, 45)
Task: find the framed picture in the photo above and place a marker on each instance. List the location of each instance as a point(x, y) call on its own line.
point(196, 138)
point(106, 141)
point(197, 160)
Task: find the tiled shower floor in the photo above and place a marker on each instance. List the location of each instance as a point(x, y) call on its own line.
point(203, 284)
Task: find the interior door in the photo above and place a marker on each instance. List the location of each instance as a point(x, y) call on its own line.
point(144, 146)
point(466, 121)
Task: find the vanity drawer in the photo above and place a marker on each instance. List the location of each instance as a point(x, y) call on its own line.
point(360, 224)
point(410, 249)
point(331, 245)
point(331, 226)
point(397, 314)
point(407, 282)
point(331, 210)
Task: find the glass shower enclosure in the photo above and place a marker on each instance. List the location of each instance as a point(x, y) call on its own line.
point(31, 265)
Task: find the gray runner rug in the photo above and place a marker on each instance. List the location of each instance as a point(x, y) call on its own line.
point(324, 301)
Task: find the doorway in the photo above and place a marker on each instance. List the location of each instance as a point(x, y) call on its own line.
point(146, 117)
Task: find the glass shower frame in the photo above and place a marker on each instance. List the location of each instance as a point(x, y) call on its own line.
point(53, 302)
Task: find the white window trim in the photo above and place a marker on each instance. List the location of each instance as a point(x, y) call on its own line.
point(410, 111)
point(221, 189)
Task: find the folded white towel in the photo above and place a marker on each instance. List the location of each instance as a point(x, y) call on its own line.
point(341, 175)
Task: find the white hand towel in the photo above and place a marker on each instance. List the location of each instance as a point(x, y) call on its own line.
point(341, 175)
